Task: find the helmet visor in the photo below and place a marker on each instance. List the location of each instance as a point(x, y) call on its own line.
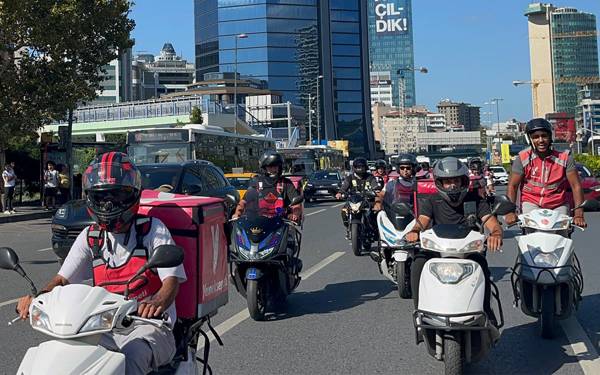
point(123, 175)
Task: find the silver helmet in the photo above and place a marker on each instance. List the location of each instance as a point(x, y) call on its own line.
point(451, 167)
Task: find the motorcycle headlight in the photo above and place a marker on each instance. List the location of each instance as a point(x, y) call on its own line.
point(543, 259)
point(39, 319)
point(530, 223)
point(563, 224)
point(100, 321)
point(451, 273)
point(309, 185)
point(355, 206)
point(428, 244)
point(476, 245)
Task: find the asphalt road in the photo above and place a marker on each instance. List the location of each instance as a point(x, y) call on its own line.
point(344, 318)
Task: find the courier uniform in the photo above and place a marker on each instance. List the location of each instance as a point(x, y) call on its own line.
point(112, 257)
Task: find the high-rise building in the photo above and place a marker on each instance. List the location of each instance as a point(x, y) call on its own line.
point(164, 74)
point(460, 114)
point(381, 88)
point(563, 49)
point(116, 86)
point(296, 47)
point(391, 46)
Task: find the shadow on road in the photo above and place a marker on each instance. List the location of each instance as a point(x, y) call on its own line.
point(500, 273)
point(334, 297)
point(588, 317)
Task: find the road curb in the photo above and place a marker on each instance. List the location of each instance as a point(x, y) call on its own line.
point(26, 217)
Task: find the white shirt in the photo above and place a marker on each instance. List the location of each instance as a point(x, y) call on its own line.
point(52, 178)
point(6, 175)
point(78, 264)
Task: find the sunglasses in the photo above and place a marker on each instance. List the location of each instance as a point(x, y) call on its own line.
point(404, 168)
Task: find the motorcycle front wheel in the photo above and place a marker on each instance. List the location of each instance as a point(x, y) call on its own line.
point(355, 237)
point(453, 358)
point(256, 299)
point(402, 270)
point(547, 314)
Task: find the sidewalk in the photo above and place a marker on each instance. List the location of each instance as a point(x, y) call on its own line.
point(24, 213)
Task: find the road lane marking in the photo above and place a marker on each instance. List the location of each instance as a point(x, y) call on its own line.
point(316, 212)
point(339, 204)
point(9, 302)
point(244, 314)
point(46, 249)
point(582, 347)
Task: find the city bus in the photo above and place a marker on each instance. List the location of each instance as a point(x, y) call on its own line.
point(305, 160)
point(198, 142)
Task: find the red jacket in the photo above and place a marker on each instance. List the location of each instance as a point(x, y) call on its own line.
point(544, 180)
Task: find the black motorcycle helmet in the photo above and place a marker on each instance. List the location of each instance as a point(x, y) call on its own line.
point(112, 185)
point(407, 159)
point(269, 159)
point(381, 164)
point(451, 167)
point(537, 124)
point(359, 166)
point(475, 164)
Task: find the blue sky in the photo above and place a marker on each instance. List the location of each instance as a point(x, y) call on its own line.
point(473, 49)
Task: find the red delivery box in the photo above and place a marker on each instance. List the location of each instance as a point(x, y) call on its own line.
point(196, 224)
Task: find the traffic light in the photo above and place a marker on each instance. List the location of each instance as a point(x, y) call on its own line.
point(63, 135)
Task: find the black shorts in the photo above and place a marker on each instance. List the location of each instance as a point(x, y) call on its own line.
point(49, 191)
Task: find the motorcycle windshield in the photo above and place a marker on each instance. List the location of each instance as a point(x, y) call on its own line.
point(399, 213)
point(257, 227)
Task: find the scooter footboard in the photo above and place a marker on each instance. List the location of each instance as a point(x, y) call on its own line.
point(529, 281)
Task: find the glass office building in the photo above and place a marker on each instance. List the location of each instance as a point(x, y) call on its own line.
point(574, 55)
point(391, 46)
point(288, 44)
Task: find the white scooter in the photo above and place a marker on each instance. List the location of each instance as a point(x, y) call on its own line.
point(78, 315)
point(450, 316)
point(546, 277)
point(395, 254)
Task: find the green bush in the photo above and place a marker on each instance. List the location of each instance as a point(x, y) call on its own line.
point(590, 161)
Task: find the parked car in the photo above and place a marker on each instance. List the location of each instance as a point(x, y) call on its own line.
point(196, 177)
point(589, 183)
point(323, 184)
point(240, 181)
point(500, 175)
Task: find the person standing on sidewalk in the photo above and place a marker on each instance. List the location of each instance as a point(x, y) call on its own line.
point(50, 185)
point(64, 185)
point(10, 180)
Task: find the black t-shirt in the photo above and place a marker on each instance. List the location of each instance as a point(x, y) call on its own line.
point(367, 183)
point(441, 212)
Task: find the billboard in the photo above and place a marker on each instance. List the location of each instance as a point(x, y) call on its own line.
point(340, 145)
point(563, 127)
point(390, 18)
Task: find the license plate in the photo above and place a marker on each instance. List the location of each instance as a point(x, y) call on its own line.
point(322, 191)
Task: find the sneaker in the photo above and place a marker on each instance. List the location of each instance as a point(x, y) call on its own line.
point(13, 212)
point(6, 212)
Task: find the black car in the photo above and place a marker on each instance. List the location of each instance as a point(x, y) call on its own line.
point(195, 177)
point(323, 184)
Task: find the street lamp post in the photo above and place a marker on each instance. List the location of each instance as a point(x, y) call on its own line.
point(235, 103)
point(309, 118)
point(402, 90)
point(319, 111)
point(497, 101)
point(534, 88)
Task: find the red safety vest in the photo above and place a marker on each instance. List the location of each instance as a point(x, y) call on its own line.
point(147, 284)
point(477, 183)
point(270, 201)
point(544, 181)
point(381, 178)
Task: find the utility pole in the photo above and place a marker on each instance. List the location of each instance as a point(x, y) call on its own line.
point(497, 100)
point(309, 118)
point(318, 111)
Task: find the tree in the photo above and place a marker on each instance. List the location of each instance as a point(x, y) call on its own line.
point(52, 58)
point(196, 115)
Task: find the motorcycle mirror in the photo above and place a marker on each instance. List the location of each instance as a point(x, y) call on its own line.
point(9, 260)
point(230, 199)
point(297, 200)
point(503, 205)
point(589, 205)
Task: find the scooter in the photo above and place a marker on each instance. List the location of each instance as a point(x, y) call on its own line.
point(450, 316)
point(264, 262)
point(546, 277)
point(395, 254)
point(77, 331)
